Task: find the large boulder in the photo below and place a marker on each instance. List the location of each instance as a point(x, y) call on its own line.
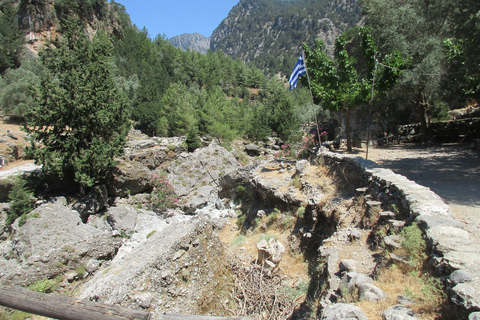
point(52, 241)
point(196, 175)
point(129, 178)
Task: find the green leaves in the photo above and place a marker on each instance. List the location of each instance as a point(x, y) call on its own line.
point(81, 120)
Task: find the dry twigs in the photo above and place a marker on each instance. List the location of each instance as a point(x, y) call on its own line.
point(262, 294)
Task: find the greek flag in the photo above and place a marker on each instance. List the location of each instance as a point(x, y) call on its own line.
point(299, 70)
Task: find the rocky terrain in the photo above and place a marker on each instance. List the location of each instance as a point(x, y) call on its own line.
point(270, 239)
point(191, 41)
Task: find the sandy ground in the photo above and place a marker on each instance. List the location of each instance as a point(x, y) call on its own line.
point(450, 170)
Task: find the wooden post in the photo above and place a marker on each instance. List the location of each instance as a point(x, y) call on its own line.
point(66, 308)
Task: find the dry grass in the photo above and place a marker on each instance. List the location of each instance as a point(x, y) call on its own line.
point(414, 285)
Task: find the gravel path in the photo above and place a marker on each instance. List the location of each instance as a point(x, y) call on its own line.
point(450, 170)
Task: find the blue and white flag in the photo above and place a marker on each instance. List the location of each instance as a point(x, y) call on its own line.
point(299, 70)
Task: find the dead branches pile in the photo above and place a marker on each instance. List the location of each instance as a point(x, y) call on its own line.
point(263, 294)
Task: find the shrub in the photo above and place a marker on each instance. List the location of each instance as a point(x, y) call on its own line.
point(21, 200)
point(414, 244)
point(45, 285)
point(163, 195)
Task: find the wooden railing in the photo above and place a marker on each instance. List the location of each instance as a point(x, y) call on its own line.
point(66, 308)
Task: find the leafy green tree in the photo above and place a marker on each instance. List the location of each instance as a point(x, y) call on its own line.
point(81, 120)
point(344, 83)
point(417, 28)
point(11, 37)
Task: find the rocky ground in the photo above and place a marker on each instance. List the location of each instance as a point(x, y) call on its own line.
point(202, 258)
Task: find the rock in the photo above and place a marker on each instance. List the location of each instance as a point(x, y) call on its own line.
point(129, 178)
point(466, 296)
point(271, 251)
point(393, 241)
point(94, 202)
point(141, 144)
point(404, 300)
point(474, 315)
point(71, 276)
point(355, 235)
point(438, 232)
point(144, 299)
point(253, 150)
point(343, 311)
point(427, 222)
point(352, 280)
point(122, 219)
point(92, 266)
point(370, 292)
point(460, 276)
point(348, 265)
point(398, 313)
point(301, 167)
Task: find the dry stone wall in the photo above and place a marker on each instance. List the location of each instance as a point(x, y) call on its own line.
point(453, 254)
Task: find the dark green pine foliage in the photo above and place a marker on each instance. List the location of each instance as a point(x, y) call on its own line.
point(81, 120)
point(11, 37)
point(20, 200)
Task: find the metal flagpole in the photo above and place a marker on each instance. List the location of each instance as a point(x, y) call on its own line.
point(313, 105)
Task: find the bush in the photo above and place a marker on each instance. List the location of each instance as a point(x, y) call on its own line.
point(163, 195)
point(414, 244)
point(21, 200)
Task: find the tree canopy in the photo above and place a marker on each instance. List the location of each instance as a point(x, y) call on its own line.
point(80, 120)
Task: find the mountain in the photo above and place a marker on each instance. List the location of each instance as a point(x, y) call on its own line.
point(41, 20)
point(192, 41)
point(270, 33)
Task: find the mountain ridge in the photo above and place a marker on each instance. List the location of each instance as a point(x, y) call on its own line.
point(191, 41)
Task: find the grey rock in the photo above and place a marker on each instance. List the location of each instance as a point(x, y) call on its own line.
point(466, 296)
point(355, 234)
point(370, 292)
point(474, 315)
point(343, 311)
point(427, 222)
point(144, 299)
point(405, 300)
point(460, 276)
point(253, 150)
point(301, 167)
point(393, 241)
point(141, 144)
point(129, 178)
point(348, 265)
point(92, 265)
point(398, 313)
point(122, 219)
point(438, 232)
point(72, 276)
point(271, 251)
point(352, 280)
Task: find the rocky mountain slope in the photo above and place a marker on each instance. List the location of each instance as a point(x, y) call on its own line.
point(191, 41)
point(270, 32)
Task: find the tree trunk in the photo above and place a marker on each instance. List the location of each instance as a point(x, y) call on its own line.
point(347, 130)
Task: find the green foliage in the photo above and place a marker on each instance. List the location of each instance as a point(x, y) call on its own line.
point(301, 212)
point(20, 198)
point(45, 285)
point(414, 244)
point(11, 37)
point(151, 233)
point(81, 119)
point(163, 195)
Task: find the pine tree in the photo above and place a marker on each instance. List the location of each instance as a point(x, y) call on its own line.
point(81, 119)
point(11, 38)
point(21, 200)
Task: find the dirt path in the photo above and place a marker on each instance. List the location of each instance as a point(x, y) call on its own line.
point(450, 170)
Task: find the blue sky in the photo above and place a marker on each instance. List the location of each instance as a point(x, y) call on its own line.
point(174, 18)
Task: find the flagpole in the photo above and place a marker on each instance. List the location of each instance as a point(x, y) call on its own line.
point(313, 105)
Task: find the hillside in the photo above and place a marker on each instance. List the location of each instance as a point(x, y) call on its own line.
point(270, 33)
point(191, 41)
point(41, 20)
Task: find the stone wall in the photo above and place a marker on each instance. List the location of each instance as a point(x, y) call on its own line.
point(464, 130)
point(453, 255)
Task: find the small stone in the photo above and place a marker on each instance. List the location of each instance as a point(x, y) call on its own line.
point(348, 265)
point(393, 241)
point(474, 315)
point(92, 266)
point(355, 234)
point(405, 300)
point(144, 299)
point(71, 276)
point(343, 311)
point(398, 313)
point(370, 292)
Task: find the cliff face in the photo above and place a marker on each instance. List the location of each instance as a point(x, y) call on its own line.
point(270, 33)
point(191, 41)
point(41, 19)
